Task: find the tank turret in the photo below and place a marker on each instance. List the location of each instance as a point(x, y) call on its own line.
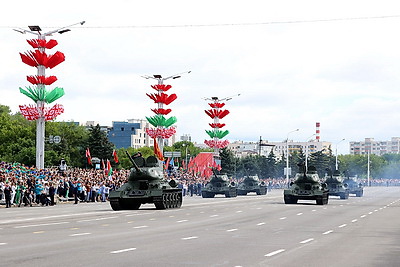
point(146, 184)
point(251, 184)
point(219, 184)
point(306, 185)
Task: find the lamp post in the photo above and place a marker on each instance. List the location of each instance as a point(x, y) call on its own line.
point(160, 105)
point(40, 104)
point(336, 160)
point(287, 155)
point(186, 154)
point(307, 150)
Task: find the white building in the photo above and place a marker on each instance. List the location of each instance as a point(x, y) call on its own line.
point(375, 147)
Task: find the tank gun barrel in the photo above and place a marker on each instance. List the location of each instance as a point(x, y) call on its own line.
point(133, 162)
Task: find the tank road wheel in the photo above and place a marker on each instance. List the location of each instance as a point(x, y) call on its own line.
point(261, 191)
point(179, 200)
point(115, 205)
point(359, 193)
point(160, 202)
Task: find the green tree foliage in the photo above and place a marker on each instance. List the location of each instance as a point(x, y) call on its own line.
point(98, 143)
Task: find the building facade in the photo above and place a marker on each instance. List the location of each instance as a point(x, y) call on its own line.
point(370, 146)
point(132, 133)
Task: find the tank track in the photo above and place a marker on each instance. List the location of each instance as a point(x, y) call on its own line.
point(168, 200)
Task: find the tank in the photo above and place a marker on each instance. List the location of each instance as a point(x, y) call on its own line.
point(219, 184)
point(306, 186)
point(251, 184)
point(354, 186)
point(146, 184)
point(336, 186)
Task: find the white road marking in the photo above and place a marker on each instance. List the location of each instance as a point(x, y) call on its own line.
point(80, 234)
point(139, 227)
point(300, 213)
point(282, 218)
point(327, 232)
point(343, 225)
point(262, 223)
point(307, 240)
point(232, 230)
point(354, 220)
point(122, 250)
point(239, 211)
point(274, 253)
point(190, 237)
point(1, 244)
point(181, 221)
point(214, 215)
point(42, 224)
point(370, 212)
point(314, 210)
point(362, 216)
point(98, 219)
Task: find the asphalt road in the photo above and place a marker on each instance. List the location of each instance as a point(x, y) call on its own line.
point(244, 231)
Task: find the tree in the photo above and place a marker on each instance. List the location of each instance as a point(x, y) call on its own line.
point(228, 161)
point(98, 143)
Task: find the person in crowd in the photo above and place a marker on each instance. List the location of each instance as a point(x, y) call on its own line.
point(7, 195)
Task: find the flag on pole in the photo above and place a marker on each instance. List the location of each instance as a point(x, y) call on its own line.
point(115, 155)
point(88, 156)
point(109, 168)
point(102, 165)
point(157, 150)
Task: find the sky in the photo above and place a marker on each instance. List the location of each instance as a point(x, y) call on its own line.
point(294, 63)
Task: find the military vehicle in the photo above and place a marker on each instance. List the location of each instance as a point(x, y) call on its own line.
point(336, 185)
point(306, 185)
point(354, 187)
point(219, 184)
point(251, 184)
point(146, 184)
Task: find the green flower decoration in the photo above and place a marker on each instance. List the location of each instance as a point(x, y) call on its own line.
point(160, 120)
point(41, 94)
point(217, 133)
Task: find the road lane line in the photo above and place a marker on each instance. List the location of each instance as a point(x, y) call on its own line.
point(122, 250)
point(354, 220)
point(98, 219)
point(190, 237)
point(181, 221)
point(80, 234)
point(274, 253)
point(232, 230)
point(327, 232)
point(36, 225)
point(282, 218)
point(343, 225)
point(1, 244)
point(139, 227)
point(306, 241)
point(214, 215)
point(362, 216)
point(262, 223)
point(300, 213)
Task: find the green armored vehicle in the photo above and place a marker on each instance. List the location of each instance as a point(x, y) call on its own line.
point(146, 184)
point(251, 184)
point(336, 185)
point(306, 185)
point(354, 187)
point(219, 184)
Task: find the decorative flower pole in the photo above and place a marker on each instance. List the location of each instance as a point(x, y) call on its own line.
point(217, 113)
point(163, 126)
point(38, 93)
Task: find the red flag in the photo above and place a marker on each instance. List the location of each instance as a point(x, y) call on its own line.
point(102, 164)
point(157, 151)
point(88, 156)
point(115, 156)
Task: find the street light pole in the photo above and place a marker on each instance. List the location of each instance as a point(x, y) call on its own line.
point(287, 155)
point(336, 161)
point(40, 122)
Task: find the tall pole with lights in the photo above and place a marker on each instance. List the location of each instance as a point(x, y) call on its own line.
point(163, 126)
point(39, 94)
point(287, 155)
